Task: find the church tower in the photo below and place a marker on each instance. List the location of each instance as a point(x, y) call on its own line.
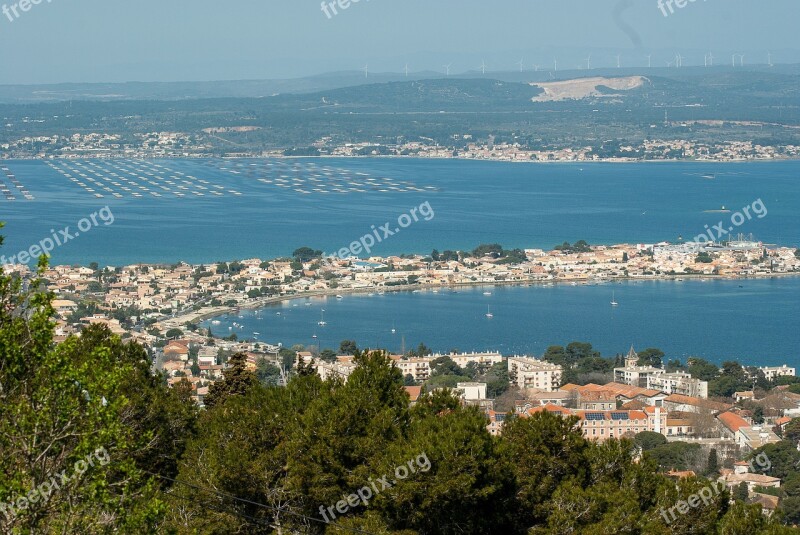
point(632, 360)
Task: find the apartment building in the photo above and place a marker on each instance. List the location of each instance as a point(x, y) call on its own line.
point(654, 378)
point(532, 373)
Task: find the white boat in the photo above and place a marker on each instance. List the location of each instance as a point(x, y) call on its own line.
point(322, 321)
point(339, 297)
point(614, 300)
point(489, 312)
point(487, 293)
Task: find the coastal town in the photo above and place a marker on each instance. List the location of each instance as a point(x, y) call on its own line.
point(142, 302)
point(211, 142)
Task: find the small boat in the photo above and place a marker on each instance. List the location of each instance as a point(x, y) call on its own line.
point(614, 300)
point(489, 312)
point(339, 297)
point(322, 320)
point(487, 293)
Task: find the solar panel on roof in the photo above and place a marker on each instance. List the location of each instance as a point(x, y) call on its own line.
point(619, 415)
point(594, 416)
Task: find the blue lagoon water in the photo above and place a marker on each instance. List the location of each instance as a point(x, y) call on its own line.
point(754, 321)
point(519, 205)
point(267, 208)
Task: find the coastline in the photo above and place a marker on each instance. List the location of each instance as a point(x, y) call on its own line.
point(406, 157)
point(265, 302)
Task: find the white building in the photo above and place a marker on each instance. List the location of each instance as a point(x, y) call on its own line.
point(531, 373)
point(654, 378)
point(678, 383)
point(471, 391)
point(772, 373)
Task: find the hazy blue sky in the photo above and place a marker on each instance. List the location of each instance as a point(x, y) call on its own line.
point(168, 40)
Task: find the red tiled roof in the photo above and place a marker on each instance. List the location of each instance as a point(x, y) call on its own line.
point(681, 474)
point(732, 421)
point(630, 391)
point(550, 408)
point(413, 392)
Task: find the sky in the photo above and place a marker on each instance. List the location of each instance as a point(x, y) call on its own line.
point(197, 40)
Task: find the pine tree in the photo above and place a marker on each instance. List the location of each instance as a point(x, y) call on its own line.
point(713, 462)
point(237, 381)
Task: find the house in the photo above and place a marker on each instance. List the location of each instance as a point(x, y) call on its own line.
point(746, 436)
point(413, 393)
point(597, 400)
point(767, 502)
point(64, 306)
point(783, 422)
point(534, 398)
point(679, 402)
point(207, 356)
point(496, 420)
point(679, 424)
point(177, 350)
point(732, 480)
point(471, 391)
point(771, 373)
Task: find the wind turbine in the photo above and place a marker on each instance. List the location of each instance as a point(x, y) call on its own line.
point(366, 70)
point(678, 61)
point(769, 59)
point(649, 60)
point(535, 68)
point(618, 63)
point(741, 60)
point(483, 67)
point(710, 59)
point(447, 69)
point(521, 64)
point(406, 70)
point(555, 64)
point(589, 63)
point(733, 60)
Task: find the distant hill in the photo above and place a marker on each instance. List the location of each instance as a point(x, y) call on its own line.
point(611, 108)
point(27, 94)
